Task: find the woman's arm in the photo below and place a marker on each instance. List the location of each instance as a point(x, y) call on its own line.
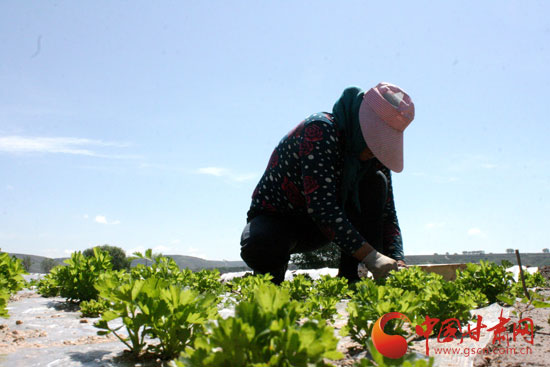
point(393, 242)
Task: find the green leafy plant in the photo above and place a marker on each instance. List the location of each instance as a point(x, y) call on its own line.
point(491, 279)
point(299, 288)
point(372, 301)
point(264, 332)
point(93, 308)
point(176, 316)
point(524, 304)
point(439, 298)
point(161, 267)
point(327, 286)
point(323, 296)
point(208, 281)
point(118, 257)
point(154, 308)
point(321, 308)
point(4, 298)
point(243, 288)
point(11, 271)
point(76, 281)
point(48, 285)
point(127, 300)
point(444, 300)
point(11, 280)
point(531, 281)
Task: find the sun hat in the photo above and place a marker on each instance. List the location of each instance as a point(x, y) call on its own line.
point(386, 110)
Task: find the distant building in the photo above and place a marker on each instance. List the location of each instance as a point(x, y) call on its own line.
point(473, 252)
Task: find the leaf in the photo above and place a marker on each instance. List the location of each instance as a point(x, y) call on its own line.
point(540, 304)
point(505, 299)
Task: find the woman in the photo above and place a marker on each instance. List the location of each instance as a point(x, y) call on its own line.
point(328, 180)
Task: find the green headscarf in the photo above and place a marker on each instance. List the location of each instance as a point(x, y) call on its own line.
point(346, 118)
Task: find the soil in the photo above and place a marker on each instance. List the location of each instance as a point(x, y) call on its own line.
point(517, 354)
point(50, 332)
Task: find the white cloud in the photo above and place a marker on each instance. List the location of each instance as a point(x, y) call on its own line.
point(66, 145)
point(68, 252)
point(85, 216)
point(103, 220)
point(244, 177)
point(475, 232)
point(434, 225)
point(214, 171)
point(226, 173)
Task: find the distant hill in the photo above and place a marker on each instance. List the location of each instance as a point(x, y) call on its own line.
point(195, 263)
point(37, 261)
point(527, 259)
point(188, 262)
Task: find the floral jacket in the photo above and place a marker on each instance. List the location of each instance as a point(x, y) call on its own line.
point(303, 177)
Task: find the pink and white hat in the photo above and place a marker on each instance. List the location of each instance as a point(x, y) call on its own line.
point(385, 112)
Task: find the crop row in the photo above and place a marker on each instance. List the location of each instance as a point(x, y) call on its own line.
point(173, 313)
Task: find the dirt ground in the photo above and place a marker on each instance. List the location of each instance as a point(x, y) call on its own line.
point(520, 352)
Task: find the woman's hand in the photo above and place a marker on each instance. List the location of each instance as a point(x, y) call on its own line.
point(401, 264)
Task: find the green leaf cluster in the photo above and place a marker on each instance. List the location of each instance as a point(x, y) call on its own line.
point(93, 308)
point(48, 286)
point(154, 308)
point(11, 273)
point(161, 267)
point(11, 280)
point(531, 281)
point(76, 280)
point(264, 332)
point(299, 288)
point(243, 288)
point(414, 293)
point(489, 278)
point(118, 257)
point(371, 301)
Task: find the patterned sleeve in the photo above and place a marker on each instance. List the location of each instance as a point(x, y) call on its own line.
point(393, 242)
point(319, 157)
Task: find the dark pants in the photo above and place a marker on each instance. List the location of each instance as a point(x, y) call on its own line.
point(268, 240)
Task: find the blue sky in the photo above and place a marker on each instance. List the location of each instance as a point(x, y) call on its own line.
point(148, 124)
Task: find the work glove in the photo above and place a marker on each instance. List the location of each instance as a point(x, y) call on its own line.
point(379, 265)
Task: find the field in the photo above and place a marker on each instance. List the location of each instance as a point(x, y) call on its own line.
point(148, 316)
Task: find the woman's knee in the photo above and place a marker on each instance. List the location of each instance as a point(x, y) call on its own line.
point(264, 245)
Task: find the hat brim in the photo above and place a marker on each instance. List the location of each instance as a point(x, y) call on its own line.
point(385, 142)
